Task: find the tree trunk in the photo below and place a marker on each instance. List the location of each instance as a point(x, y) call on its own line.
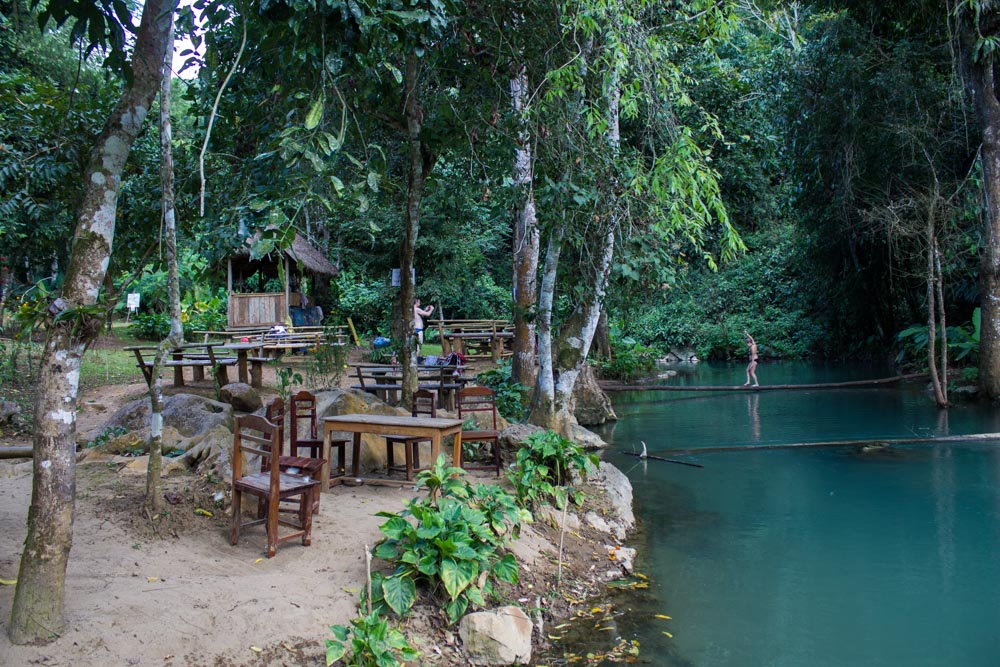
point(176, 335)
point(526, 239)
point(543, 401)
point(601, 347)
point(982, 87)
point(37, 614)
point(421, 163)
point(943, 322)
point(932, 317)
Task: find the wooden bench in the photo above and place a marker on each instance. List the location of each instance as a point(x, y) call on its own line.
point(197, 357)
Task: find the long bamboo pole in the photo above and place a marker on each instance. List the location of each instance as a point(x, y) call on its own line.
point(608, 386)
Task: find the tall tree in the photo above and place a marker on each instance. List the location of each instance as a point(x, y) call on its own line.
point(72, 324)
point(979, 47)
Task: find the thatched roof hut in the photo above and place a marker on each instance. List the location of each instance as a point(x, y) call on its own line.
point(257, 297)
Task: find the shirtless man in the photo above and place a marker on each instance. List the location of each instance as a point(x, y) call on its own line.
point(752, 366)
point(418, 319)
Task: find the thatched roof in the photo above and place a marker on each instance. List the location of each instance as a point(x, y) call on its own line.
point(302, 251)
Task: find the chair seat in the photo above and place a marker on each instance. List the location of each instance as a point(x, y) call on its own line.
point(304, 463)
point(479, 435)
point(260, 483)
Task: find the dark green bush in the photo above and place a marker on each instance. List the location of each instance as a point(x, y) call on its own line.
point(511, 395)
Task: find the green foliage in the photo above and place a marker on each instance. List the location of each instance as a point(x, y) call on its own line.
point(287, 380)
point(372, 643)
point(544, 468)
point(327, 365)
point(629, 360)
point(451, 541)
point(963, 342)
point(511, 396)
point(106, 435)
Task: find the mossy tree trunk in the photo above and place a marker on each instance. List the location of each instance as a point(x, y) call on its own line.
point(37, 614)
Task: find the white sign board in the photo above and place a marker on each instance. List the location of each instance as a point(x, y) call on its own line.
point(395, 277)
point(133, 301)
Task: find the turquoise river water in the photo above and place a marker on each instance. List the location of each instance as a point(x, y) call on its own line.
point(812, 556)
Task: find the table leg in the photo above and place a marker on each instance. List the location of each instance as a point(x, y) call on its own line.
point(241, 362)
point(435, 446)
point(325, 470)
point(356, 456)
point(178, 371)
point(456, 452)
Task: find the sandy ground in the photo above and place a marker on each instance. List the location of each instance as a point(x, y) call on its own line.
point(174, 592)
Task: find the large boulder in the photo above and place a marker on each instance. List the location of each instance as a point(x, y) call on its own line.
point(241, 396)
point(189, 414)
point(618, 490)
point(589, 404)
point(513, 438)
point(497, 637)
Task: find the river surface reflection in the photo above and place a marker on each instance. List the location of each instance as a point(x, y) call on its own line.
point(812, 556)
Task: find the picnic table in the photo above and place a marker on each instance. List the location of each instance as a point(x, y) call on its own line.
point(476, 339)
point(255, 377)
point(384, 381)
point(196, 356)
point(434, 428)
point(276, 343)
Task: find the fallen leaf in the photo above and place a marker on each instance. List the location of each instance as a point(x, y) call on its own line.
point(152, 580)
point(8, 582)
point(257, 561)
point(668, 634)
point(202, 512)
point(256, 649)
point(664, 616)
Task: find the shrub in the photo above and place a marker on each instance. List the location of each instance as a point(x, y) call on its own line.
point(373, 644)
point(544, 467)
point(453, 542)
point(629, 360)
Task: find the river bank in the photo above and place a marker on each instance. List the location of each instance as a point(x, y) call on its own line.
point(173, 591)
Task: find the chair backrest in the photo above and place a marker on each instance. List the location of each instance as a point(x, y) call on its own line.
point(255, 435)
point(275, 413)
point(477, 399)
point(423, 403)
point(303, 409)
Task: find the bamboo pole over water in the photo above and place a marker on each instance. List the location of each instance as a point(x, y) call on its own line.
point(607, 386)
point(974, 437)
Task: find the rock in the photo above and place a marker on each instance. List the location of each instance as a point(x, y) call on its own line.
point(554, 518)
point(210, 453)
point(8, 410)
point(191, 415)
point(589, 404)
point(618, 490)
point(497, 637)
point(584, 437)
point(624, 557)
point(241, 396)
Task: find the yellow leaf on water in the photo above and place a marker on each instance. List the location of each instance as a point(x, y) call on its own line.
point(596, 609)
point(8, 582)
point(555, 637)
point(640, 575)
point(668, 634)
point(664, 616)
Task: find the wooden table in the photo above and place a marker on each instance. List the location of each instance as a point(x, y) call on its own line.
point(242, 351)
point(434, 428)
point(196, 356)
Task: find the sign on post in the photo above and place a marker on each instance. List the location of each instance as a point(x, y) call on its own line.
point(395, 276)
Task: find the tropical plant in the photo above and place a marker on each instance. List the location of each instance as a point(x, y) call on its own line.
point(372, 643)
point(447, 540)
point(629, 360)
point(544, 468)
point(287, 379)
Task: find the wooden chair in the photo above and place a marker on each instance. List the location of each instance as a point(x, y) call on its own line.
point(470, 401)
point(256, 435)
point(423, 405)
point(308, 466)
point(305, 434)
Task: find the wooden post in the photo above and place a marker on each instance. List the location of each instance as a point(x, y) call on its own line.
point(229, 288)
point(288, 312)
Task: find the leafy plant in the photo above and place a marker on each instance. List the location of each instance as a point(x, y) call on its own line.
point(106, 435)
point(451, 540)
point(544, 467)
point(287, 379)
point(327, 365)
point(510, 394)
point(629, 360)
point(962, 342)
point(372, 642)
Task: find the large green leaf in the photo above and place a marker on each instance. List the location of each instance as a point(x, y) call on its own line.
point(505, 569)
point(457, 575)
point(400, 593)
point(315, 115)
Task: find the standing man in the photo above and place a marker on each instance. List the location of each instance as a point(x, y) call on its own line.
point(752, 366)
point(418, 319)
